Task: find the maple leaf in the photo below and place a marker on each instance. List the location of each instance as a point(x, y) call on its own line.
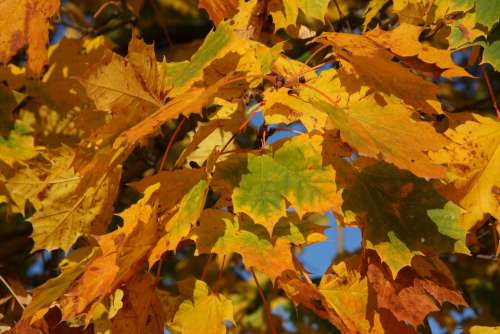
point(66, 214)
point(285, 13)
point(491, 53)
point(68, 204)
point(34, 15)
point(106, 311)
point(372, 10)
point(115, 85)
point(420, 12)
point(347, 293)
point(63, 111)
point(487, 13)
point(227, 176)
point(187, 103)
point(474, 157)
point(120, 252)
point(281, 107)
point(19, 146)
point(367, 58)
point(403, 216)
point(404, 42)
point(463, 32)
point(71, 268)
point(294, 172)
point(9, 101)
point(355, 302)
point(142, 309)
point(173, 185)
point(66, 137)
point(205, 139)
point(388, 132)
point(222, 233)
point(411, 298)
point(177, 227)
point(484, 330)
point(248, 21)
point(370, 124)
point(305, 293)
point(218, 10)
point(27, 183)
point(216, 45)
point(186, 99)
point(201, 311)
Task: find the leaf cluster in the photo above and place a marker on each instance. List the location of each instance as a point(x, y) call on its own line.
point(178, 183)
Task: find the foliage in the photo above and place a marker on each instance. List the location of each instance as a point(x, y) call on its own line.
point(164, 203)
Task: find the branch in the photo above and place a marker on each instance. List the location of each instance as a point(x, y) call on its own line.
point(264, 301)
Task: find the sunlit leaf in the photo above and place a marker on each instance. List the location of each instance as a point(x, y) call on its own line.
point(27, 25)
point(203, 311)
point(294, 172)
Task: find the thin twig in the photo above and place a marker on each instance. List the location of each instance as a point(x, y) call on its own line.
point(211, 257)
point(170, 143)
point(264, 301)
point(433, 32)
point(340, 239)
point(243, 150)
point(157, 17)
point(277, 129)
point(4, 281)
point(306, 276)
point(492, 92)
point(158, 270)
point(162, 163)
point(80, 29)
point(242, 126)
point(106, 29)
point(104, 6)
point(219, 275)
point(295, 78)
point(318, 50)
point(342, 15)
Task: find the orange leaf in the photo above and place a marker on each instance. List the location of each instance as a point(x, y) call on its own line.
point(25, 22)
point(218, 10)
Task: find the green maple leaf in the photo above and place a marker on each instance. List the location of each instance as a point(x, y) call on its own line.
point(487, 12)
point(294, 173)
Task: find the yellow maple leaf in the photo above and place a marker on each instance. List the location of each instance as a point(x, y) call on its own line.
point(25, 22)
point(204, 312)
point(474, 158)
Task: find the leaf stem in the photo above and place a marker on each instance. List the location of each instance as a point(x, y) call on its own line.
point(491, 91)
point(318, 50)
point(170, 143)
point(341, 15)
point(242, 126)
point(158, 270)
point(219, 275)
point(4, 281)
point(211, 257)
point(264, 301)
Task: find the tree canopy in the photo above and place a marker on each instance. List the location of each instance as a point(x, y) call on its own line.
point(164, 164)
